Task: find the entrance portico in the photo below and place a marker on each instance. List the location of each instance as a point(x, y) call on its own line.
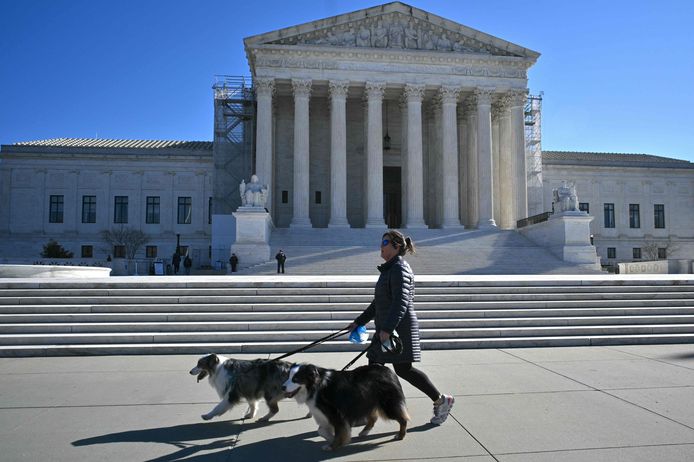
point(329, 91)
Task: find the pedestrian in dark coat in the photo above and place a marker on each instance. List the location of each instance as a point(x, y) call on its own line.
point(392, 310)
point(281, 258)
point(234, 261)
point(176, 262)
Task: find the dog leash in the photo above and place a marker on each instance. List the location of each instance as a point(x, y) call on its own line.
point(312, 344)
point(355, 359)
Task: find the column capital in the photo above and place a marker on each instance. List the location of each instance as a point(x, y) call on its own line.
point(484, 95)
point(375, 90)
point(302, 87)
point(338, 88)
point(448, 94)
point(264, 86)
point(414, 92)
point(516, 97)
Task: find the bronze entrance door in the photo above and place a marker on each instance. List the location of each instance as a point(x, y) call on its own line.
point(392, 197)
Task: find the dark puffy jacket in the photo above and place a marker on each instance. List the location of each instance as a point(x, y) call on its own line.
point(393, 309)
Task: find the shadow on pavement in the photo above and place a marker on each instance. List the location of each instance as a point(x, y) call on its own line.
point(305, 446)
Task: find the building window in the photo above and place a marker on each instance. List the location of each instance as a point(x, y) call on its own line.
point(183, 250)
point(285, 197)
point(609, 216)
point(87, 251)
point(151, 251)
point(209, 211)
point(636, 253)
point(152, 215)
point(659, 215)
point(584, 207)
point(119, 251)
point(185, 210)
point(612, 252)
point(662, 253)
point(318, 197)
point(56, 211)
point(88, 209)
point(634, 216)
point(120, 209)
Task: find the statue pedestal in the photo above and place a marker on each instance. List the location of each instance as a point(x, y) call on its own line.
point(566, 235)
point(253, 227)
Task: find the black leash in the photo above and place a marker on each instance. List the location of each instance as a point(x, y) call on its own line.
point(311, 345)
point(358, 356)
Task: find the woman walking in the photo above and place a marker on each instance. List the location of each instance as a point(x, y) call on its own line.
point(393, 311)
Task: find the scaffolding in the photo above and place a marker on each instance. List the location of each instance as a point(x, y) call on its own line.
point(234, 139)
point(533, 153)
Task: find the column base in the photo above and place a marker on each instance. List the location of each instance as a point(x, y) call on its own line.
point(301, 223)
point(375, 223)
point(452, 224)
point(417, 224)
point(338, 223)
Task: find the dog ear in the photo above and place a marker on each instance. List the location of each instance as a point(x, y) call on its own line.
point(214, 360)
point(312, 373)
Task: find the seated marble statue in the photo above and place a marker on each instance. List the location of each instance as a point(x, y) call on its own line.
point(253, 194)
point(565, 197)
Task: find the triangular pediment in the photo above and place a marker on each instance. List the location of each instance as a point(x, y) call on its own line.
point(393, 26)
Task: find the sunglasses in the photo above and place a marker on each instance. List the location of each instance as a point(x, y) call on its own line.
point(385, 242)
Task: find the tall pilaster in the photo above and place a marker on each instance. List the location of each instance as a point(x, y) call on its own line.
point(472, 164)
point(495, 159)
point(516, 100)
point(507, 167)
point(462, 164)
point(415, 184)
point(374, 161)
point(264, 88)
point(403, 159)
point(484, 160)
point(338, 154)
point(449, 102)
point(302, 93)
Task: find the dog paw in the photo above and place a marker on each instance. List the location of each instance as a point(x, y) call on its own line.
point(308, 416)
point(399, 437)
point(206, 417)
point(265, 418)
point(364, 432)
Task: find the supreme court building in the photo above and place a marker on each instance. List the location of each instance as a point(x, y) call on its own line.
point(391, 116)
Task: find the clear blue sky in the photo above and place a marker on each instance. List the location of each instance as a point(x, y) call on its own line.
point(617, 76)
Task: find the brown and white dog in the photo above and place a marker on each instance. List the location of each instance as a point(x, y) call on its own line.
point(236, 380)
point(339, 400)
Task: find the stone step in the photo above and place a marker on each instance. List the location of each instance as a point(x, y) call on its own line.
point(278, 316)
point(329, 324)
point(281, 347)
point(311, 335)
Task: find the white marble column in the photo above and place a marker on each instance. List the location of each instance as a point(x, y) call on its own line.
point(507, 166)
point(495, 160)
point(302, 93)
point(374, 155)
point(415, 181)
point(484, 157)
point(462, 165)
point(449, 102)
point(264, 88)
point(472, 164)
point(516, 101)
point(338, 154)
point(403, 159)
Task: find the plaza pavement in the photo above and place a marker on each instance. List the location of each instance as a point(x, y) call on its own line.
point(618, 403)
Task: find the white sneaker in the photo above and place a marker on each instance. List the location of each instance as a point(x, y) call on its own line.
point(442, 409)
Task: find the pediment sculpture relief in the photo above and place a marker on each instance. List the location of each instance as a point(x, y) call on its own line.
point(394, 31)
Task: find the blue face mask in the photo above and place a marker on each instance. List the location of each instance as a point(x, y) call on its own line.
point(359, 335)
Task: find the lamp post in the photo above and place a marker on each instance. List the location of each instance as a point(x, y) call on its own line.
point(178, 243)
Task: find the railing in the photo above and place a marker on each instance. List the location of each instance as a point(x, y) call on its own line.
point(232, 87)
point(539, 218)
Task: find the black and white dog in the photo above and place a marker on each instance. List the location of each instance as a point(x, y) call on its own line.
point(237, 380)
point(339, 400)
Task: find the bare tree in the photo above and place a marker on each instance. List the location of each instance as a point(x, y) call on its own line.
point(132, 239)
point(650, 249)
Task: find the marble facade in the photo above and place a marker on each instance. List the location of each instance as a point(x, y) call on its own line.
point(329, 91)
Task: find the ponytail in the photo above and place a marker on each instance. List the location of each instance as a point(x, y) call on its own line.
point(405, 244)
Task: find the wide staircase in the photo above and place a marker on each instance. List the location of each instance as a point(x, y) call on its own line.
point(439, 251)
point(236, 314)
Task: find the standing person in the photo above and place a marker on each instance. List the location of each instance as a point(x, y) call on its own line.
point(187, 263)
point(281, 258)
point(176, 261)
point(234, 262)
point(392, 310)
